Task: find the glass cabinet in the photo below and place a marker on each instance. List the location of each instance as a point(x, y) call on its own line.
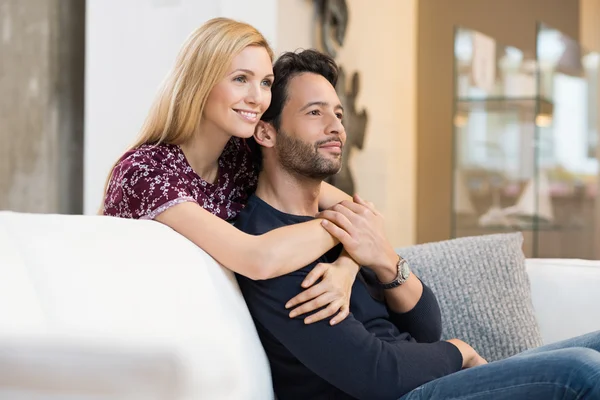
point(525, 154)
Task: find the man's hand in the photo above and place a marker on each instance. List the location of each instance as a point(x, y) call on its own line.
point(360, 228)
point(470, 357)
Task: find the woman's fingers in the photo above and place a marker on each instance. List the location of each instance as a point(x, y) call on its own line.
point(314, 275)
point(312, 305)
point(327, 312)
point(305, 296)
point(344, 312)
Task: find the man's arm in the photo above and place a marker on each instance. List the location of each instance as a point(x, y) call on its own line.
point(413, 307)
point(423, 322)
point(347, 355)
point(405, 297)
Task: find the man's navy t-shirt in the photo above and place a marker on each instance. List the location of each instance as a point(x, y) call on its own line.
point(374, 353)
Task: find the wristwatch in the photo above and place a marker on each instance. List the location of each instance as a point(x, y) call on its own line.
point(403, 274)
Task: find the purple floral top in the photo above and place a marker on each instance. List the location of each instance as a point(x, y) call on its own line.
point(150, 179)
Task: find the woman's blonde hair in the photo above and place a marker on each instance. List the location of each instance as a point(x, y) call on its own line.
point(201, 63)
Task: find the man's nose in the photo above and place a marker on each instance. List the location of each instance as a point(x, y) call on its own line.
point(335, 126)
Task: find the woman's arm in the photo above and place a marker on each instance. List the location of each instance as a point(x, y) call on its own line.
point(330, 196)
point(266, 256)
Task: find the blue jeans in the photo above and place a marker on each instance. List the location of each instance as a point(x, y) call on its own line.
point(564, 370)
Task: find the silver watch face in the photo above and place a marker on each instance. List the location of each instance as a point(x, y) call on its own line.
point(404, 270)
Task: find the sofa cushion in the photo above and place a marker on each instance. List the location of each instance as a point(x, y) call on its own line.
point(483, 290)
point(565, 296)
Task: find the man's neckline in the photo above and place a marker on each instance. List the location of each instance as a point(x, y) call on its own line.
point(255, 197)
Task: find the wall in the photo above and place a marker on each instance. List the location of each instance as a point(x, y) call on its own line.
point(130, 46)
point(512, 22)
point(295, 25)
point(41, 105)
point(589, 32)
point(384, 169)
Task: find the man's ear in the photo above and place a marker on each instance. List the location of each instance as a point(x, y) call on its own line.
point(264, 134)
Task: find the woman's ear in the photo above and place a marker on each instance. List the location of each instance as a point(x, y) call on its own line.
point(264, 134)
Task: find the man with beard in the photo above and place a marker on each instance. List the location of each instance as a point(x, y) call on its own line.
point(390, 343)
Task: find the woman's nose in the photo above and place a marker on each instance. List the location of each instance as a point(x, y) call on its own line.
point(254, 95)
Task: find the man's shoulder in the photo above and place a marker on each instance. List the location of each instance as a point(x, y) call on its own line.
point(258, 217)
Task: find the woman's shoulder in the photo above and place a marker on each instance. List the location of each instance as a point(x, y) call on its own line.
point(146, 181)
point(164, 157)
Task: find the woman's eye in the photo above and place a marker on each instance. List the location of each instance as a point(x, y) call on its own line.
point(314, 112)
point(340, 116)
point(240, 78)
point(267, 83)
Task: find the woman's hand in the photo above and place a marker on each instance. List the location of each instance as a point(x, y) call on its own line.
point(360, 228)
point(333, 291)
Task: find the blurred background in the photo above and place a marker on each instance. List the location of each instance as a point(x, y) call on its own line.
point(482, 114)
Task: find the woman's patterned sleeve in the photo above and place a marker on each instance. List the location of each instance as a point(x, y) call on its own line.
point(139, 190)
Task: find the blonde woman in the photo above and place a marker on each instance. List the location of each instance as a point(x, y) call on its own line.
point(191, 170)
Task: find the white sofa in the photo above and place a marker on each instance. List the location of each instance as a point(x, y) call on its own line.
point(105, 308)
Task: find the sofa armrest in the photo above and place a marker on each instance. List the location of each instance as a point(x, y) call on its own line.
point(565, 295)
point(20, 307)
point(112, 283)
point(54, 368)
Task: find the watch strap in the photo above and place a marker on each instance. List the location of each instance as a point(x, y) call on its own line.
point(400, 278)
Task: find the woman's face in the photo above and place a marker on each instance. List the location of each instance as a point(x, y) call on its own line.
point(235, 105)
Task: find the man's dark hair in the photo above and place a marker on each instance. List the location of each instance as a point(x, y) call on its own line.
point(289, 65)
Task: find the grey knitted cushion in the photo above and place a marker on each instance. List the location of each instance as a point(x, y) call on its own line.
point(483, 291)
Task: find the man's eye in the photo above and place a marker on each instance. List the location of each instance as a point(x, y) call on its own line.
point(240, 78)
point(340, 116)
point(315, 112)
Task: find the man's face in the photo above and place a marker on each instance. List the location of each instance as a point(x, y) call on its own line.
point(311, 136)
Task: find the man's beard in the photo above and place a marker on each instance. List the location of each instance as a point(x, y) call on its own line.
point(304, 158)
